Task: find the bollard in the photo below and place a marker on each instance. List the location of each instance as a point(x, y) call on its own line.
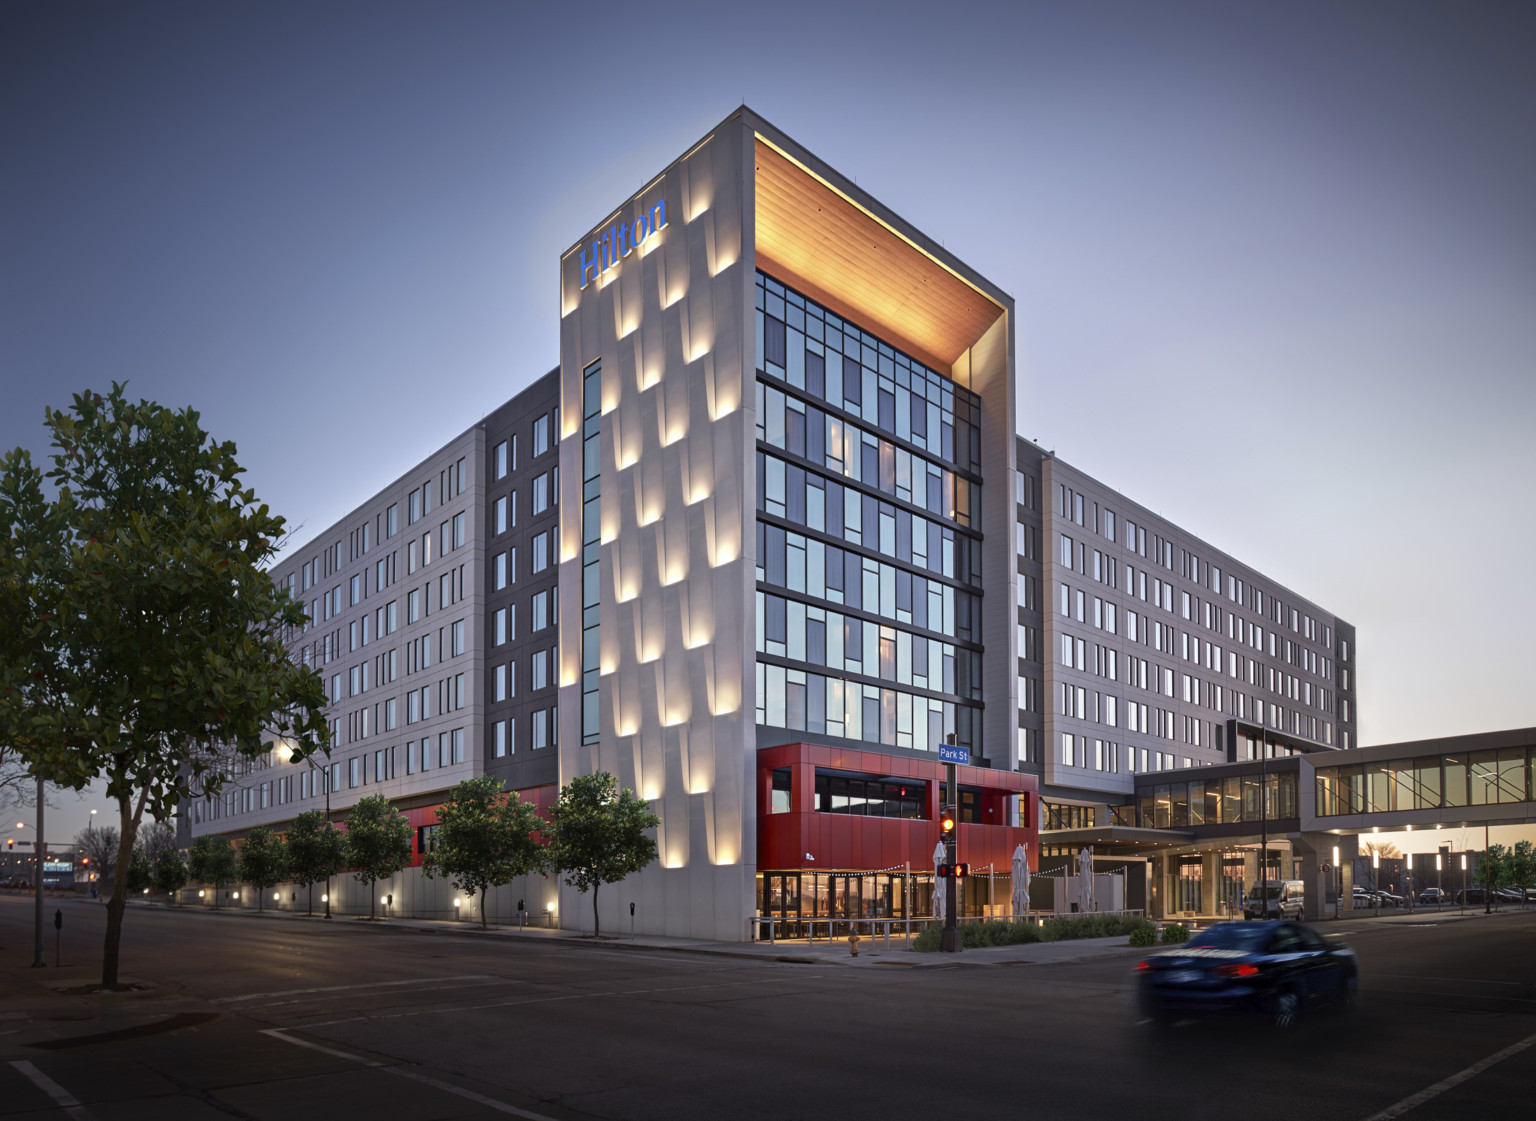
point(58, 927)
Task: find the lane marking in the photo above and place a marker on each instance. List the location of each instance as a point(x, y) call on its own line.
point(267, 1005)
point(448, 1009)
point(1424, 1095)
point(61, 1097)
point(345, 988)
point(427, 1080)
point(279, 1033)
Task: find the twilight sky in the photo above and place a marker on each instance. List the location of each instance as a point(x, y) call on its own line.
point(1275, 265)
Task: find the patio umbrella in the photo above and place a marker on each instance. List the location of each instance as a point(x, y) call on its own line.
point(938, 881)
point(1021, 882)
point(1085, 880)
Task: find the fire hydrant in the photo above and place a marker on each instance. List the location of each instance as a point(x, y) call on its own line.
point(853, 943)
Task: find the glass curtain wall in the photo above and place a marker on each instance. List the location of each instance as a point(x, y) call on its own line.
point(868, 551)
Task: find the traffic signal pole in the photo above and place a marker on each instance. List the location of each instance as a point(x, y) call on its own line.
point(949, 939)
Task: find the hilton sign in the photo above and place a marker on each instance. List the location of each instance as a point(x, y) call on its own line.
point(619, 241)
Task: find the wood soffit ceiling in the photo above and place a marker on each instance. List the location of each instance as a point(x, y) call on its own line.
point(822, 244)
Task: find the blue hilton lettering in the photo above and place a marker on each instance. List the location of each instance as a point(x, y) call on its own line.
point(618, 242)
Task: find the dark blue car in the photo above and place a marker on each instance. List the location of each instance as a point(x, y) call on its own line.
point(1274, 969)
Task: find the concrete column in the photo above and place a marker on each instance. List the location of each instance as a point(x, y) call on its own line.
point(1210, 872)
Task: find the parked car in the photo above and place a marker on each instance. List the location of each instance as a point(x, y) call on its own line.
point(1277, 970)
point(1470, 895)
point(1433, 897)
point(1276, 899)
point(1509, 895)
point(1390, 900)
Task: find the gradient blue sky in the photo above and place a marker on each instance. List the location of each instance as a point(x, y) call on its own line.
point(1275, 264)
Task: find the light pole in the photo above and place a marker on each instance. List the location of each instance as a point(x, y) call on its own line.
point(1338, 891)
point(1463, 882)
point(40, 850)
point(1375, 881)
point(1487, 874)
point(1440, 880)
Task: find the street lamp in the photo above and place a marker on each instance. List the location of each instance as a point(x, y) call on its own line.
point(1463, 881)
point(1338, 891)
point(1375, 881)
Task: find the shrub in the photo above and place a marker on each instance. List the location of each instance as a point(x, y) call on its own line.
point(1004, 932)
point(1143, 936)
point(1175, 932)
point(1092, 926)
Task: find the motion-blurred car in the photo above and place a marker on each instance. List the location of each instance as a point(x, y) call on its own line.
point(1274, 969)
point(1432, 897)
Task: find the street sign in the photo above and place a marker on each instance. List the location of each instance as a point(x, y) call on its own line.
point(949, 753)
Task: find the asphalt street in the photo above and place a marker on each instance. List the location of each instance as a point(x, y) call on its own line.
point(235, 1016)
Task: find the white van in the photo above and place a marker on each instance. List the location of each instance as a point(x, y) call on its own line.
point(1276, 899)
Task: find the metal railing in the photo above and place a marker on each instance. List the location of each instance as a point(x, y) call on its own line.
point(791, 928)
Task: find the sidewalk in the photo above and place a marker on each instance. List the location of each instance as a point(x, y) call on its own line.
point(872, 951)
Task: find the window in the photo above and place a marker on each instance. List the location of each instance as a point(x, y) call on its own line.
point(458, 637)
point(458, 530)
point(499, 577)
point(540, 729)
point(540, 436)
point(499, 739)
point(354, 770)
point(392, 520)
point(540, 670)
point(540, 612)
point(540, 493)
point(540, 552)
point(501, 460)
point(499, 684)
point(413, 605)
point(499, 628)
point(356, 590)
point(499, 521)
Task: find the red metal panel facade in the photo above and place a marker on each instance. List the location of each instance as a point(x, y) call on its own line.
point(848, 841)
point(543, 799)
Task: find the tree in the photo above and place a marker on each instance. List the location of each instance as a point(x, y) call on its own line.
point(100, 847)
point(212, 861)
point(598, 835)
point(155, 838)
point(378, 843)
point(141, 874)
point(170, 873)
point(263, 862)
point(1387, 849)
point(1523, 866)
point(143, 630)
point(317, 850)
point(485, 838)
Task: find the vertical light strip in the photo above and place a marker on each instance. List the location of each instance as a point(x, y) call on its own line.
point(591, 533)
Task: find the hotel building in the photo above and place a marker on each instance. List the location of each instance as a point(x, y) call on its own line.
point(761, 543)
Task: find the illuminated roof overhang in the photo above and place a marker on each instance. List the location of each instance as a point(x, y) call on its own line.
point(819, 240)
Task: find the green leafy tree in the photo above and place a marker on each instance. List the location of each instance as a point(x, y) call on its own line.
point(144, 638)
point(598, 835)
point(263, 862)
point(141, 874)
point(170, 873)
point(213, 861)
point(1523, 865)
point(485, 838)
point(317, 850)
point(378, 843)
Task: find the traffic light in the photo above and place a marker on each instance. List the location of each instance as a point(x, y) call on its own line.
point(85, 860)
point(947, 823)
point(10, 843)
point(960, 871)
